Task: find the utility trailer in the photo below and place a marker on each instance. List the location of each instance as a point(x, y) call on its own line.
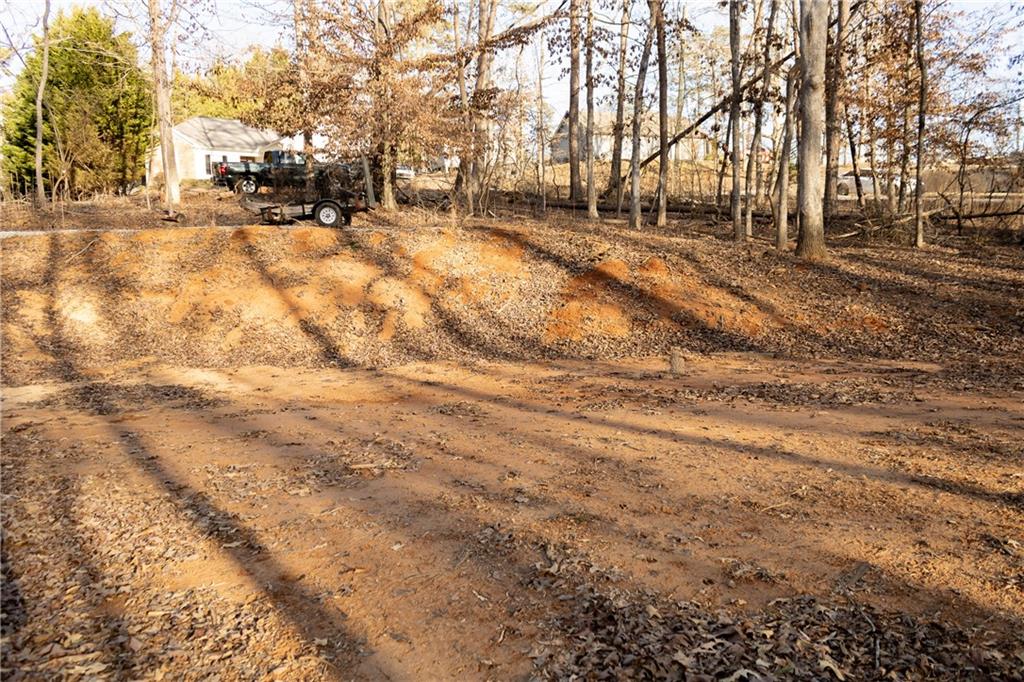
point(326, 211)
point(333, 210)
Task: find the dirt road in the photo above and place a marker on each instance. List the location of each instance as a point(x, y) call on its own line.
point(358, 523)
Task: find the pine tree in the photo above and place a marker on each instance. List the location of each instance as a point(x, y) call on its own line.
point(97, 110)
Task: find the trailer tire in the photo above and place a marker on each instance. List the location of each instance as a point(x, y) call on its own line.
point(247, 185)
point(329, 214)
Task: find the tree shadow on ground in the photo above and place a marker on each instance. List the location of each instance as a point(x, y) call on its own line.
point(308, 618)
point(330, 351)
point(137, 450)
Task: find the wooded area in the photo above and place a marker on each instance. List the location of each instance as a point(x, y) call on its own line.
point(912, 96)
point(474, 339)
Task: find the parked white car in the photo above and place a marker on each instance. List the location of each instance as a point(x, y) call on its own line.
point(405, 173)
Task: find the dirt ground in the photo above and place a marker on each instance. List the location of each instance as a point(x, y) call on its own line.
point(204, 206)
point(456, 452)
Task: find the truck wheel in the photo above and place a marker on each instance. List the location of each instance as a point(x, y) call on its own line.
point(247, 185)
point(328, 214)
point(843, 191)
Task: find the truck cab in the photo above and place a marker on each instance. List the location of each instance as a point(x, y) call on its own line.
point(283, 158)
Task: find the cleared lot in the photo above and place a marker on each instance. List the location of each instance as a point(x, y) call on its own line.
point(453, 453)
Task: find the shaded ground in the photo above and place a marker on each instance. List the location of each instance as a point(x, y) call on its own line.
point(207, 206)
point(453, 453)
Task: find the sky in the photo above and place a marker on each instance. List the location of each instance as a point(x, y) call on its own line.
point(230, 27)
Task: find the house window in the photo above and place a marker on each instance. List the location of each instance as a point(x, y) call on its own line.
point(250, 159)
point(209, 165)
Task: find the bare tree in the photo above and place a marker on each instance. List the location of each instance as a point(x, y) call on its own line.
point(160, 21)
point(40, 90)
point(658, 19)
point(922, 105)
point(810, 180)
point(852, 137)
point(754, 158)
point(834, 106)
point(381, 80)
point(739, 234)
point(541, 175)
point(460, 76)
point(615, 179)
point(638, 112)
point(782, 181)
point(725, 101)
point(472, 162)
point(303, 17)
point(591, 185)
point(680, 95)
point(904, 138)
point(575, 184)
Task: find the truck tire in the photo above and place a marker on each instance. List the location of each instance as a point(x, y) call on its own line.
point(843, 190)
point(329, 214)
point(247, 185)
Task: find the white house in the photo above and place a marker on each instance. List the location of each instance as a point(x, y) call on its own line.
point(695, 147)
point(200, 143)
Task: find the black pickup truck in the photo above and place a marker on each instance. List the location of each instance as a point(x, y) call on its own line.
point(282, 170)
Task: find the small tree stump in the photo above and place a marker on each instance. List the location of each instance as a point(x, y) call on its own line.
point(677, 360)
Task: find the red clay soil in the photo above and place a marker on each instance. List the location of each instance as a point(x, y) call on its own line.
point(457, 453)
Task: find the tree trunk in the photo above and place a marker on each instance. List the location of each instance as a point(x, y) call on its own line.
point(855, 160)
point(387, 190)
point(782, 183)
point(40, 90)
point(922, 102)
point(541, 172)
point(615, 179)
point(591, 184)
point(575, 184)
point(722, 105)
point(462, 183)
point(813, 38)
point(754, 159)
point(739, 234)
point(680, 101)
point(460, 64)
point(778, 129)
point(469, 177)
point(854, 132)
point(480, 130)
point(161, 93)
point(901, 202)
point(726, 155)
point(658, 17)
point(638, 111)
point(834, 107)
point(901, 191)
point(301, 19)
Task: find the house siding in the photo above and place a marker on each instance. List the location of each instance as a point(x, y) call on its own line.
point(190, 158)
point(688, 148)
point(603, 146)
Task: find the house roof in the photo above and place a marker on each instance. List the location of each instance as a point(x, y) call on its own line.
point(225, 133)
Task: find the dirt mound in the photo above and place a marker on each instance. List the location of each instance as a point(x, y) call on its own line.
point(367, 297)
point(384, 295)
